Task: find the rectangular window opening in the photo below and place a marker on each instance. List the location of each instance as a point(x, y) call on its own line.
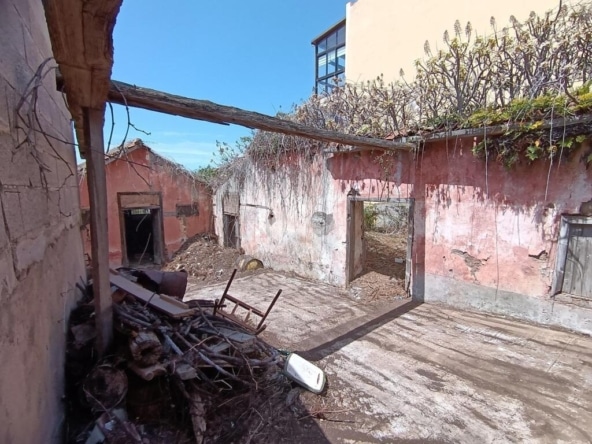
point(330, 60)
point(187, 210)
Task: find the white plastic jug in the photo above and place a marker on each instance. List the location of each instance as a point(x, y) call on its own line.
point(305, 373)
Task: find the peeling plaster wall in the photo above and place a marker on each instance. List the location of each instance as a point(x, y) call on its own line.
point(40, 244)
point(143, 171)
point(308, 198)
point(484, 238)
point(489, 237)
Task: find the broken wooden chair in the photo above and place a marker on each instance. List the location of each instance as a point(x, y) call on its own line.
point(239, 306)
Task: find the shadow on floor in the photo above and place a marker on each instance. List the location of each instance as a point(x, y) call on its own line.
point(344, 334)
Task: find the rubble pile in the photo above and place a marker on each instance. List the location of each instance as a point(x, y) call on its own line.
point(168, 378)
point(201, 257)
point(204, 260)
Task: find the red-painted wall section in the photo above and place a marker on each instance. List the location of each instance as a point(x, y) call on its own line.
point(143, 171)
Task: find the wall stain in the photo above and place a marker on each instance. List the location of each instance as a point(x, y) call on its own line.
point(472, 262)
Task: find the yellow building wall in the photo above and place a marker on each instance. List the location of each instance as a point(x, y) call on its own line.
point(385, 36)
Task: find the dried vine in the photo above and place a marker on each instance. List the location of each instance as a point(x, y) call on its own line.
point(523, 74)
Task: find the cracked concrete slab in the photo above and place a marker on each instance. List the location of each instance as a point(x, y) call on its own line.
point(410, 372)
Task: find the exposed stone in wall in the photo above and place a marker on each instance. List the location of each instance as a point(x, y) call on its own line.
point(322, 223)
point(40, 244)
point(472, 262)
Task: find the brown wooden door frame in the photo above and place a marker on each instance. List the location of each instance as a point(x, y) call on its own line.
point(351, 221)
point(567, 223)
point(227, 235)
point(350, 241)
point(157, 227)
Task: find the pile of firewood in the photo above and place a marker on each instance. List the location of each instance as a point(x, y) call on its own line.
point(158, 345)
point(198, 356)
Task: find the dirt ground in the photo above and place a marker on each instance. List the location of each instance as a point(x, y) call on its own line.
point(398, 370)
point(206, 262)
point(383, 279)
point(403, 371)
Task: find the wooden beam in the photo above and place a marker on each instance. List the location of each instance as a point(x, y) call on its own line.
point(97, 189)
point(346, 149)
point(163, 303)
point(560, 123)
point(82, 41)
point(81, 35)
point(131, 95)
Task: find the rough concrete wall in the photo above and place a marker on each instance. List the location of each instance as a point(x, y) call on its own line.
point(475, 227)
point(40, 245)
point(293, 239)
point(142, 171)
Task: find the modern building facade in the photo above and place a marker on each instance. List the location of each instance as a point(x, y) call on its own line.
point(383, 37)
point(330, 58)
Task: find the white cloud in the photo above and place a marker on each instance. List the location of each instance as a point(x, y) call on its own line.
point(192, 149)
point(191, 154)
point(186, 134)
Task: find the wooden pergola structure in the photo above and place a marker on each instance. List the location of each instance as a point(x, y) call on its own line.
point(81, 33)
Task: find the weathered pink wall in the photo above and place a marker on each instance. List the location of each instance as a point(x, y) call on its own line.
point(149, 173)
point(295, 191)
point(506, 222)
point(479, 230)
point(41, 258)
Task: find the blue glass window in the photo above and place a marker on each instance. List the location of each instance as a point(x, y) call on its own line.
point(330, 59)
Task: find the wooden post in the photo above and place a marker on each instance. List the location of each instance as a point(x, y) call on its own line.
point(97, 190)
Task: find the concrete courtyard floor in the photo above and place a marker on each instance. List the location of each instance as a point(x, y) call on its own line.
point(410, 372)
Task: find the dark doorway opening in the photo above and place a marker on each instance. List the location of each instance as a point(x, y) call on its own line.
point(231, 231)
point(141, 226)
point(379, 248)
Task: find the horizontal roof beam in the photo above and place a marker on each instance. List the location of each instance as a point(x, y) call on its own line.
point(135, 96)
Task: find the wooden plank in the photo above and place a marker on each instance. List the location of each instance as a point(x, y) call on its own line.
point(559, 275)
point(409, 258)
point(358, 244)
point(228, 333)
point(131, 95)
point(230, 204)
point(139, 200)
point(578, 267)
point(81, 35)
point(82, 40)
point(340, 149)
point(97, 190)
point(170, 306)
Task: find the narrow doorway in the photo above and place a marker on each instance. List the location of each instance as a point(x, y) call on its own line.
point(231, 236)
point(230, 220)
point(142, 236)
point(379, 248)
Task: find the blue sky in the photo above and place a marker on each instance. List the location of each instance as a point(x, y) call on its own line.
point(253, 54)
